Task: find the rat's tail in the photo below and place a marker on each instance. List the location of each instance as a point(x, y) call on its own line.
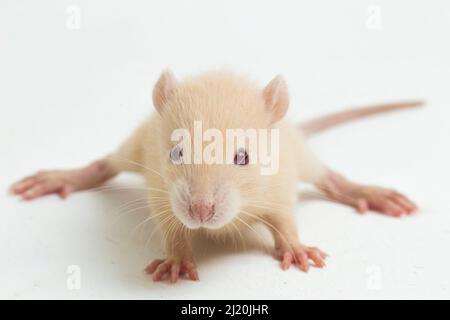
point(316, 125)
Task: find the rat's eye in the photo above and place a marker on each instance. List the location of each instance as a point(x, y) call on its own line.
point(241, 158)
point(176, 154)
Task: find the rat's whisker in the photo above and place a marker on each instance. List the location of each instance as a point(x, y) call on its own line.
point(116, 188)
point(266, 202)
point(250, 227)
point(266, 207)
point(134, 209)
point(168, 232)
point(261, 220)
point(239, 233)
point(130, 204)
point(137, 209)
point(169, 217)
point(266, 223)
point(120, 215)
point(175, 231)
point(114, 157)
point(149, 219)
point(150, 205)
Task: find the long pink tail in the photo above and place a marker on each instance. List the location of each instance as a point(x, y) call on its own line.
point(322, 123)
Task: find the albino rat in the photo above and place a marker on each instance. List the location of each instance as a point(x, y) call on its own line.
point(215, 198)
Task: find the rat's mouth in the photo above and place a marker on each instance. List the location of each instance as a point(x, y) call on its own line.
point(202, 212)
point(209, 223)
point(211, 207)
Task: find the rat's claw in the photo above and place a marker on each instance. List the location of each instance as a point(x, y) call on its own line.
point(172, 268)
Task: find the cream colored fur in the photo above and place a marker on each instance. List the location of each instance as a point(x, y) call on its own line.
point(220, 100)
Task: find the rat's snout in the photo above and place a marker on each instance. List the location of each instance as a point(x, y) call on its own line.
point(201, 210)
point(204, 205)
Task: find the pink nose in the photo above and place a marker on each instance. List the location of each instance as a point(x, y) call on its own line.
point(201, 211)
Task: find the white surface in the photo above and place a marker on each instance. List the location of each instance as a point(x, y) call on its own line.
point(69, 96)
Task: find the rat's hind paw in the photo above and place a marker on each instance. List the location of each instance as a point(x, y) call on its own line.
point(387, 201)
point(300, 256)
point(43, 183)
point(364, 198)
point(173, 268)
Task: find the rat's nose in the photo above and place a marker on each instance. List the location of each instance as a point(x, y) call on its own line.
point(201, 210)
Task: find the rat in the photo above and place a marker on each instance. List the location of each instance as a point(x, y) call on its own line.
point(220, 199)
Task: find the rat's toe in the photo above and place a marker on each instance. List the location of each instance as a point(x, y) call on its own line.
point(301, 259)
point(407, 205)
point(23, 185)
point(174, 272)
point(173, 268)
point(191, 270)
point(389, 207)
point(161, 271)
point(317, 256)
point(42, 188)
point(152, 266)
point(286, 260)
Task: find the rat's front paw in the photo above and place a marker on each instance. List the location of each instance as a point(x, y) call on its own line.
point(173, 267)
point(43, 183)
point(300, 256)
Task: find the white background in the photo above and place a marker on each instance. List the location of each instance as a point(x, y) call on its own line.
point(68, 96)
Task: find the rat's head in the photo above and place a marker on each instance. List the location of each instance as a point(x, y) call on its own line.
point(209, 175)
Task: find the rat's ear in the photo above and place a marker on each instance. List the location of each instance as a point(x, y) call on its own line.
point(276, 98)
point(163, 89)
